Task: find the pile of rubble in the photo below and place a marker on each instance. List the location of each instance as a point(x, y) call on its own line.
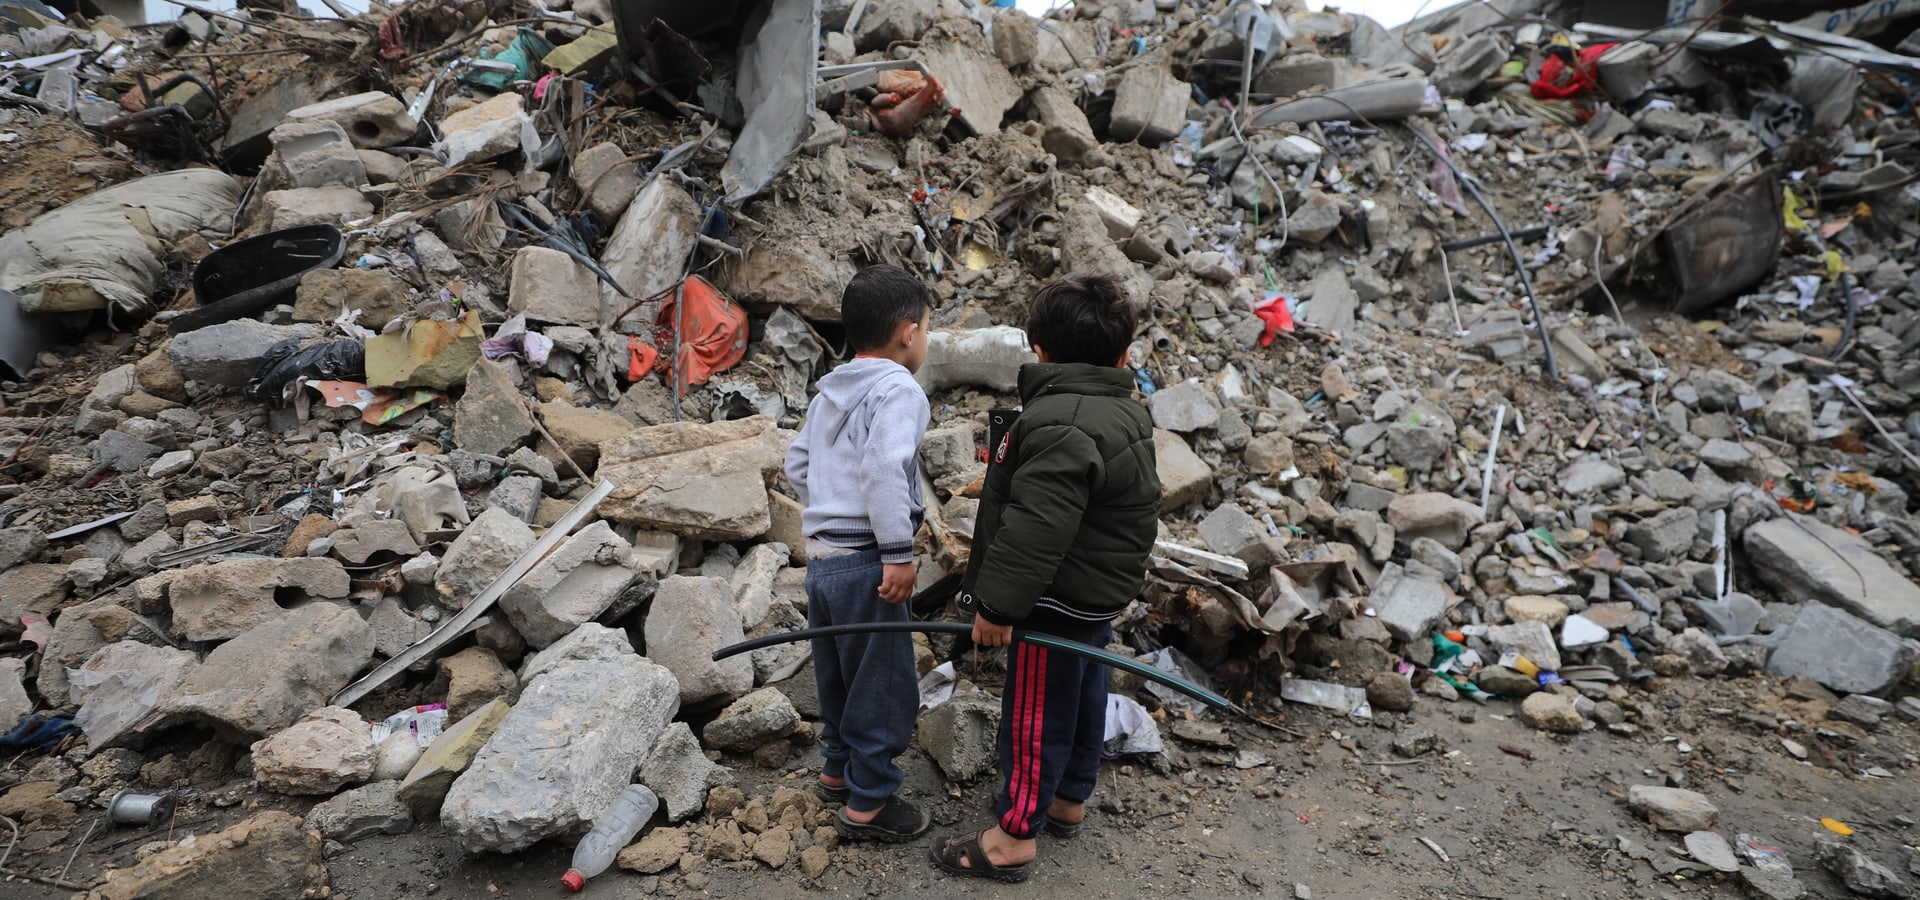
point(406, 414)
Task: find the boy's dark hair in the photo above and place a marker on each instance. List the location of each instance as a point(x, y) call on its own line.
point(876, 301)
point(1082, 318)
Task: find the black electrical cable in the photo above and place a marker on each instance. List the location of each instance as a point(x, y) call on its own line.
point(1519, 265)
point(1044, 640)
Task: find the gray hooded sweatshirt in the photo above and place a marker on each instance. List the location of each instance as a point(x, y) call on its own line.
point(856, 464)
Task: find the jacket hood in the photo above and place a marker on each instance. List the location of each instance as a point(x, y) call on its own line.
point(845, 389)
point(1039, 379)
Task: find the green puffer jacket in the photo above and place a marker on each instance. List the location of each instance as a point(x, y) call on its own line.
point(1072, 501)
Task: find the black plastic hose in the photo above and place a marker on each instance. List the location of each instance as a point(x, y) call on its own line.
point(1043, 640)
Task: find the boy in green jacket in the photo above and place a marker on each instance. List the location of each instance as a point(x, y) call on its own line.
point(1067, 520)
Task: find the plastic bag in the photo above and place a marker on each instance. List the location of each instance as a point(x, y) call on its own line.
point(713, 332)
point(424, 722)
point(288, 361)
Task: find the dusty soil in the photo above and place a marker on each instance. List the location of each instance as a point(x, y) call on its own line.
point(51, 164)
point(1320, 801)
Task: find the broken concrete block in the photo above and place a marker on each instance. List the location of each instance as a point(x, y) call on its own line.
point(120, 688)
point(1532, 639)
point(315, 206)
point(758, 718)
point(752, 581)
point(488, 130)
point(1805, 558)
point(372, 120)
point(1667, 535)
point(228, 354)
point(1409, 602)
point(607, 179)
point(649, 247)
point(960, 735)
point(1120, 217)
point(261, 681)
point(1313, 217)
point(475, 677)
point(796, 272)
point(580, 431)
point(568, 748)
point(328, 749)
point(271, 854)
point(690, 619)
point(1231, 531)
point(1468, 63)
point(572, 586)
point(31, 588)
point(549, 286)
point(491, 418)
point(1150, 105)
point(698, 479)
point(681, 774)
point(363, 812)
point(1443, 517)
point(426, 784)
point(1672, 809)
point(1297, 74)
point(1016, 38)
point(224, 600)
point(1184, 476)
point(1185, 407)
point(484, 550)
point(326, 293)
point(317, 155)
point(1841, 651)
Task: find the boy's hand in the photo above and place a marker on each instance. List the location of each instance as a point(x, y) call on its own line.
point(896, 582)
point(987, 634)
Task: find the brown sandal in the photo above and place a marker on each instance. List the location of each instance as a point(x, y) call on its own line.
point(949, 855)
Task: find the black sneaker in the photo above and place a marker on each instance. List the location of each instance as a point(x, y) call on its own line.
point(829, 793)
point(898, 821)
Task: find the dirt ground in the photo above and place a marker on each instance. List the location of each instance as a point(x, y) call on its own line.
point(1322, 802)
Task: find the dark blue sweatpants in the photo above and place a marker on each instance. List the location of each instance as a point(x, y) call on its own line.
point(868, 693)
point(1053, 722)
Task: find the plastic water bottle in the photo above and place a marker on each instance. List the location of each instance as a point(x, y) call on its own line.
point(612, 831)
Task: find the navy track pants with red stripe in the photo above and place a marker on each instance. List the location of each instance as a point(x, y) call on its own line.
point(1053, 721)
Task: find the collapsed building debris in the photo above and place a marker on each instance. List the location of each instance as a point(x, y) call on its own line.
point(412, 389)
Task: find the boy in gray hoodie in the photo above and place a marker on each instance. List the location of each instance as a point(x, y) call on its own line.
point(855, 467)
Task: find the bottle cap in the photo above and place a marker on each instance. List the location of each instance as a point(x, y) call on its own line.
point(573, 881)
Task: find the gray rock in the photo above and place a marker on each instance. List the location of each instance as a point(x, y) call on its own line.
point(1421, 435)
point(1667, 535)
point(1553, 712)
point(1435, 555)
point(326, 750)
point(261, 681)
point(1699, 649)
point(1589, 475)
point(362, 813)
point(681, 773)
point(121, 687)
point(960, 735)
point(1533, 640)
point(1444, 518)
point(531, 463)
point(752, 581)
point(229, 353)
point(122, 451)
point(1184, 407)
point(1669, 486)
point(588, 643)
point(491, 417)
point(701, 480)
point(1723, 454)
point(1736, 616)
point(1468, 63)
point(1184, 476)
point(1368, 497)
point(1720, 390)
point(1772, 885)
point(565, 752)
point(1229, 530)
point(1861, 710)
point(1804, 558)
point(1859, 872)
point(781, 661)
point(19, 544)
point(572, 586)
point(474, 470)
point(1409, 602)
point(690, 619)
point(1710, 848)
point(1789, 414)
point(758, 718)
point(1504, 682)
point(223, 600)
point(14, 701)
point(485, 549)
point(517, 496)
point(1672, 809)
